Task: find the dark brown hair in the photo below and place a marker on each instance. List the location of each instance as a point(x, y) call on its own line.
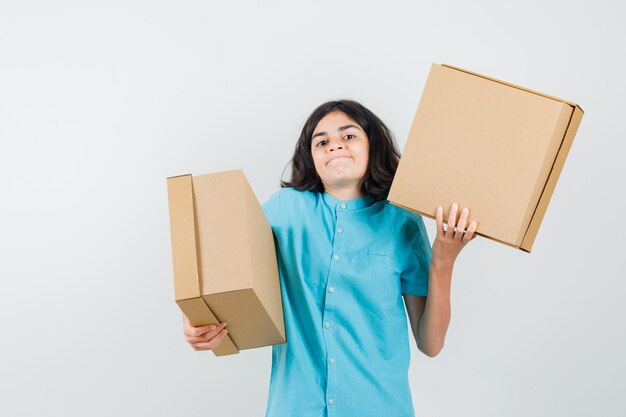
point(383, 152)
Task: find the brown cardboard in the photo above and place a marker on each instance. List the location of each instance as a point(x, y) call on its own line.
point(224, 259)
point(488, 145)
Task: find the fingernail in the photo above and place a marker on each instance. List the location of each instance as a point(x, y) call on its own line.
point(464, 210)
point(224, 324)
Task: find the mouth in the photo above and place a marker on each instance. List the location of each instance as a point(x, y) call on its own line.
point(335, 158)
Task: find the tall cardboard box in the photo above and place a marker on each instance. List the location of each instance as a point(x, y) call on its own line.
point(492, 146)
point(224, 259)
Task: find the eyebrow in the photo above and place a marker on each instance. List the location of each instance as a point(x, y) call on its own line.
point(338, 130)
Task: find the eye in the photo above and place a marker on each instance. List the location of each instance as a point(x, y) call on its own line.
point(349, 137)
point(321, 143)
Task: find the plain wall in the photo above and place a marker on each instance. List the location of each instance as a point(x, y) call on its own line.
point(101, 101)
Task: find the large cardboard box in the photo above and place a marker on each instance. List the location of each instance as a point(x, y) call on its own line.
point(224, 259)
point(492, 146)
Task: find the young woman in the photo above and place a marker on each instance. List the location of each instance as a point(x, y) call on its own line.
point(347, 260)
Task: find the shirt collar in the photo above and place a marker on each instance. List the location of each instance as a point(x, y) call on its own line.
point(357, 203)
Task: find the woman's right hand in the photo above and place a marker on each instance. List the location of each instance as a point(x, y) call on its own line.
point(204, 337)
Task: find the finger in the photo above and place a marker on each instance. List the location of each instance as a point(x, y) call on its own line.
point(211, 344)
point(204, 337)
point(200, 330)
point(439, 220)
point(187, 325)
point(452, 220)
point(460, 228)
point(469, 235)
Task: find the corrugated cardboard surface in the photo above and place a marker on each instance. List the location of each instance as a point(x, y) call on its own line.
point(249, 324)
point(487, 145)
point(200, 314)
point(183, 237)
point(224, 259)
point(223, 249)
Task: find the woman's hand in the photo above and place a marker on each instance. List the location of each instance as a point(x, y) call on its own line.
point(448, 243)
point(432, 323)
point(203, 337)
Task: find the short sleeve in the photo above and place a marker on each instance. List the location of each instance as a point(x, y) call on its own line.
point(414, 278)
point(271, 208)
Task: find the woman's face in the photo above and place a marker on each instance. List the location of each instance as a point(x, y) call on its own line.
point(340, 150)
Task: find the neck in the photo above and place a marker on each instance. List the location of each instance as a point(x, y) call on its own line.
point(345, 193)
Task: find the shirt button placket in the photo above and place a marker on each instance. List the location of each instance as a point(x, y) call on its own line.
point(329, 309)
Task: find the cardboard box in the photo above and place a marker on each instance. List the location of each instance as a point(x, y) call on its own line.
point(224, 258)
point(491, 146)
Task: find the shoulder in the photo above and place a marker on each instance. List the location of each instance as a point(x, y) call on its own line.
point(285, 201)
point(400, 214)
point(409, 225)
point(290, 195)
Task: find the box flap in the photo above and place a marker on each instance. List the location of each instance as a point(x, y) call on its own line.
point(513, 85)
point(550, 185)
point(183, 237)
point(554, 145)
point(176, 176)
point(249, 322)
point(199, 314)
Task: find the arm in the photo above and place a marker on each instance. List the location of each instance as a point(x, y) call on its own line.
point(430, 316)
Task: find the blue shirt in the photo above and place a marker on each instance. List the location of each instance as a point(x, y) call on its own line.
point(344, 266)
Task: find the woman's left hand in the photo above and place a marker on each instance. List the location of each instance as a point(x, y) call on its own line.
point(448, 243)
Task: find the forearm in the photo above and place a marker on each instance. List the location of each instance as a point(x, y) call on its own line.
point(433, 323)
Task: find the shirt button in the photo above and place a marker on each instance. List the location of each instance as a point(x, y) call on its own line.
point(331, 360)
point(340, 230)
point(327, 325)
point(336, 257)
point(331, 289)
point(342, 205)
point(331, 402)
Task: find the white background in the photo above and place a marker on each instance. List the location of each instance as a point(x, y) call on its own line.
point(101, 101)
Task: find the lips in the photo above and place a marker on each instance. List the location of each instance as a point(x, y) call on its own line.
point(337, 157)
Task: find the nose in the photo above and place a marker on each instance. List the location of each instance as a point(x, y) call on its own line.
point(333, 144)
